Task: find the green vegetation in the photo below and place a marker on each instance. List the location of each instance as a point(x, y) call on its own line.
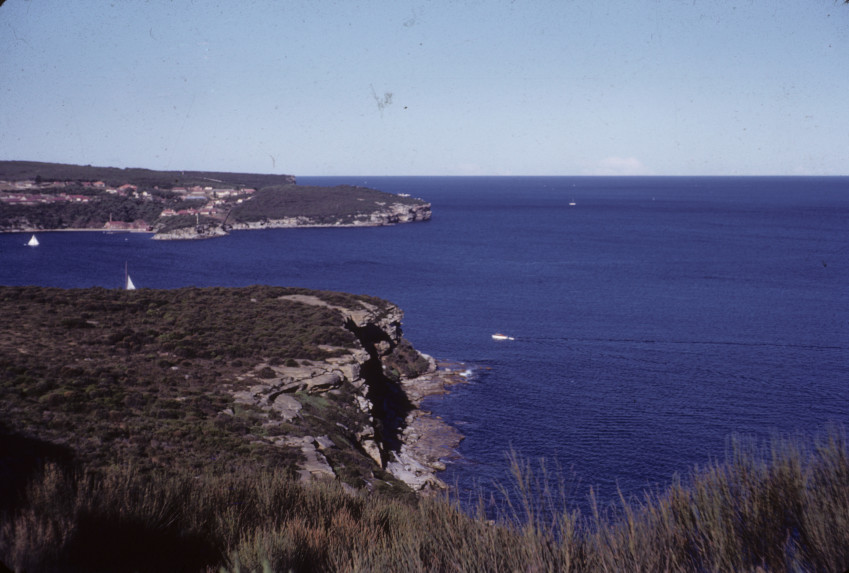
point(324, 205)
point(405, 361)
point(146, 178)
point(169, 224)
point(71, 215)
point(146, 377)
point(778, 508)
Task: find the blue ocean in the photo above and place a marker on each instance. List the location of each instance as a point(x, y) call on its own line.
point(653, 317)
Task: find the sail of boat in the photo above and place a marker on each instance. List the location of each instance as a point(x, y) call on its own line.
point(33, 242)
point(128, 282)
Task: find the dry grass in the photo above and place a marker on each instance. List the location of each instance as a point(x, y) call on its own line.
point(783, 506)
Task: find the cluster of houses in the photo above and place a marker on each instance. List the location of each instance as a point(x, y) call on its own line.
point(198, 192)
point(211, 202)
point(209, 210)
point(216, 200)
point(39, 198)
point(29, 192)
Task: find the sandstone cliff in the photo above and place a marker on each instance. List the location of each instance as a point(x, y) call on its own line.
point(390, 379)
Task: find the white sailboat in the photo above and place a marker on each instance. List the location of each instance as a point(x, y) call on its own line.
point(128, 282)
point(33, 242)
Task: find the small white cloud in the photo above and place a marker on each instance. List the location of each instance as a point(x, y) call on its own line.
point(619, 166)
point(468, 169)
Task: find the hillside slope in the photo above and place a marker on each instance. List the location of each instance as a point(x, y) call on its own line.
point(315, 384)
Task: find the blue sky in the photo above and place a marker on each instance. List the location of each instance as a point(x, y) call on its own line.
point(443, 87)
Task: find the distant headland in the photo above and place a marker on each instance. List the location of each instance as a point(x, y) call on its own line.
point(36, 196)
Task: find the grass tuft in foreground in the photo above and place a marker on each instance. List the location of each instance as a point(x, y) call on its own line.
point(783, 506)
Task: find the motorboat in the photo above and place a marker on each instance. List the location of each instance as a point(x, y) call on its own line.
point(499, 336)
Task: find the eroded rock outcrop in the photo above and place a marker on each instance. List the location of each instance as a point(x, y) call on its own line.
point(389, 379)
point(205, 231)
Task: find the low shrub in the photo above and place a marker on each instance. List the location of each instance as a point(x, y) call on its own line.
point(777, 507)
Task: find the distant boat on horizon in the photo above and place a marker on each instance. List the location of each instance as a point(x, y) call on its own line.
point(33, 242)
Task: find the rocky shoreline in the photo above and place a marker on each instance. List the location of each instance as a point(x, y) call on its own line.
point(424, 440)
point(427, 441)
point(393, 214)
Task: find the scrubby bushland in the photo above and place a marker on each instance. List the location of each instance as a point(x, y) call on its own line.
point(41, 171)
point(146, 377)
point(169, 224)
point(328, 205)
point(405, 361)
point(784, 507)
point(70, 215)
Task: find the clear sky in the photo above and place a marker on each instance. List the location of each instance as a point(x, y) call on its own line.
point(442, 87)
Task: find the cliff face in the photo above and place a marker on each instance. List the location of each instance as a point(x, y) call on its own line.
point(389, 379)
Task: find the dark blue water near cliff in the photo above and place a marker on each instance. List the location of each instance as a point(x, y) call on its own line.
point(652, 319)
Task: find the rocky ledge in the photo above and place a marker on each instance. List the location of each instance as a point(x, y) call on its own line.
point(206, 231)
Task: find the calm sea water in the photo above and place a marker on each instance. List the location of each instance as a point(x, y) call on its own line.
point(653, 319)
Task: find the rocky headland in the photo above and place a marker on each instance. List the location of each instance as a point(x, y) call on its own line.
point(398, 436)
point(387, 214)
point(184, 205)
point(320, 384)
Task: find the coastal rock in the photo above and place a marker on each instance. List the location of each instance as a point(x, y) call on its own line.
point(390, 214)
point(398, 436)
point(370, 445)
point(287, 406)
point(324, 443)
point(412, 472)
point(426, 440)
point(315, 465)
point(206, 231)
